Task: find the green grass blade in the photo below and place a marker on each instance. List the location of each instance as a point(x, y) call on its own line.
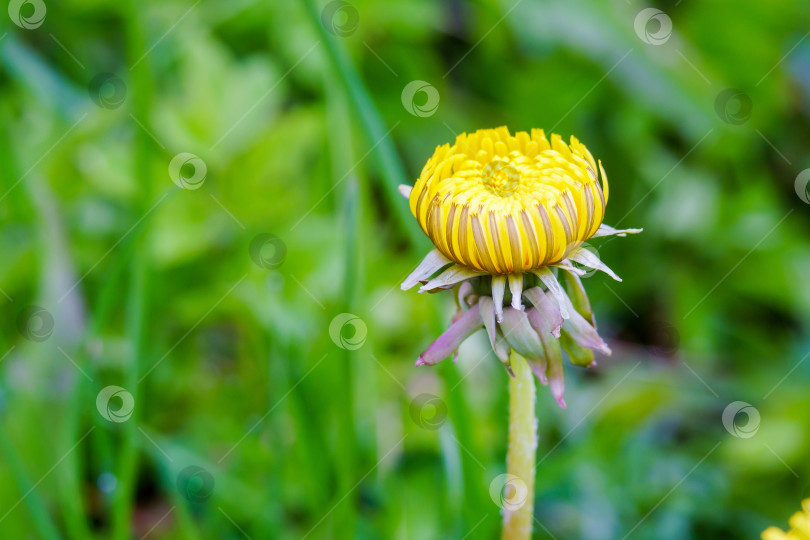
point(137, 294)
point(390, 166)
point(341, 157)
point(56, 270)
point(39, 513)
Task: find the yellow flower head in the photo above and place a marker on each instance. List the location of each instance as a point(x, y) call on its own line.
point(799, 523)
point(507, 204)
point(501, 210)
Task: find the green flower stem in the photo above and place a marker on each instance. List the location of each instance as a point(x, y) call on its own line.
point(520, 458)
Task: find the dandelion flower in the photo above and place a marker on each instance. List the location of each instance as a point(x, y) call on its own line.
point(506, 214)
point(799, 526)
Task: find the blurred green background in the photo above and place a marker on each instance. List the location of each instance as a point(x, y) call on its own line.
point(239, 414)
